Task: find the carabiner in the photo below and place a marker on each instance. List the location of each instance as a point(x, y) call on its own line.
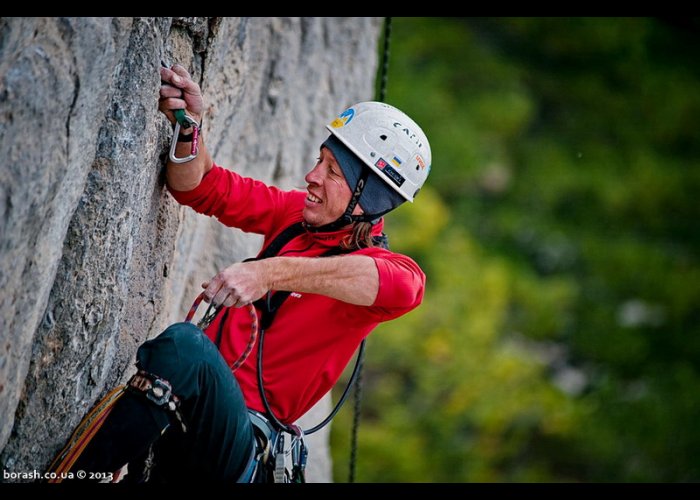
point(209, 315)
point(183, 120)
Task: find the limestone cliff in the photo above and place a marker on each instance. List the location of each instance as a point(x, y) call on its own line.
point(96, 256)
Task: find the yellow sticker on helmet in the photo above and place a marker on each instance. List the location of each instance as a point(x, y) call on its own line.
point(344, 118)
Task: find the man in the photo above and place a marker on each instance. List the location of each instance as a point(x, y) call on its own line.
point(375, 158)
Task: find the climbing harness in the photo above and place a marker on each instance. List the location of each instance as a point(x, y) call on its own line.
point(270, 428)
point(271, 452)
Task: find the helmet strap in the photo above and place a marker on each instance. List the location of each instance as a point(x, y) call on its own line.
point(347, 217)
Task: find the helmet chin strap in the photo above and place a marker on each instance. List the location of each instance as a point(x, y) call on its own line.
point(348, 217)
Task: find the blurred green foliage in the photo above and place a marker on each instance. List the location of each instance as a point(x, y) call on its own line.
point(559, 338)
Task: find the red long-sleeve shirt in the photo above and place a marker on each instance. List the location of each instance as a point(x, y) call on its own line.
point(312, 337)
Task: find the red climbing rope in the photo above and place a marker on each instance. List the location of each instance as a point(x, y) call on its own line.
point(209, 316)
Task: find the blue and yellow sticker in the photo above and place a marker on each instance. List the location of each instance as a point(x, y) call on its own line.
point(343, 118)
point(396, 161)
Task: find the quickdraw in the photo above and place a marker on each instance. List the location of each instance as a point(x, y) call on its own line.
point(272, 452)
point(184, 121)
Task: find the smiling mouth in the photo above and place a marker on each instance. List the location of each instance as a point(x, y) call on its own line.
point(313, 199)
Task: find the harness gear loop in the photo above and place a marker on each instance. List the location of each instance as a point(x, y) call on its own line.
point(184, 121)
point(299, 455)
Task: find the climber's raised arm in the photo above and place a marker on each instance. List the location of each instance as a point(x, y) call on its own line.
point(179, 91)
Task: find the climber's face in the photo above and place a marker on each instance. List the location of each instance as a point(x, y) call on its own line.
point(328, 193)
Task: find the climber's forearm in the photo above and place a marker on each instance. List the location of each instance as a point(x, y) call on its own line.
point(187, 176)
point(179, 92)
point(350, 278)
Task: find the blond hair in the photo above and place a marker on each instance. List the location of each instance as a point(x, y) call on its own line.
point(361, 237)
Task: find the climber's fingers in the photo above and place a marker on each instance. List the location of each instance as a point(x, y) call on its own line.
point(179, 91)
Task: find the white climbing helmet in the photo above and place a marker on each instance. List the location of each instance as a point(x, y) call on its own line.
point(389, 142)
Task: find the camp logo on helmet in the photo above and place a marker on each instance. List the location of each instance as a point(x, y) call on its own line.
point(388, 141)
point(343, 118)
point(408, 132)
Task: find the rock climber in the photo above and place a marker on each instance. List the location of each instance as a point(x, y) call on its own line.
point(343, 279)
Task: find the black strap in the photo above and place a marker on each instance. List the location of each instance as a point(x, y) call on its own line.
point(220, 333)
point(287, 235)
point(347, 217)
point(270, 304)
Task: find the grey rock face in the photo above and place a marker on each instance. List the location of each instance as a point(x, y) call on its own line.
point(96, 256)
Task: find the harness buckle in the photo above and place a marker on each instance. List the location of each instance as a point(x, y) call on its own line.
point(156, 389)
point(160, 392)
